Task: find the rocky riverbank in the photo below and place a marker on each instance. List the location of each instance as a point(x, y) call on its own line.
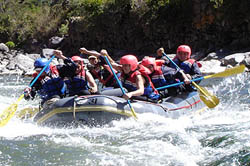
point(19, 62)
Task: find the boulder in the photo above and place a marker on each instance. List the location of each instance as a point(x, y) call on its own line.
point(233, 59)
point(55, 42)
point(246, 62)
point(211, 67)
point(4, 48)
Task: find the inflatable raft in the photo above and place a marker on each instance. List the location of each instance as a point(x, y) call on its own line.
point(97, 110)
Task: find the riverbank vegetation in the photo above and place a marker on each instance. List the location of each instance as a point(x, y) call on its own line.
point(127, 24)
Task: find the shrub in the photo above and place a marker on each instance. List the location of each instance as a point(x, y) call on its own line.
point(10, 44)
point(63, 30)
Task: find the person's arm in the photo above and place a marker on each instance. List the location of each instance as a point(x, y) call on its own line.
point(30, 92)
point(186, 77)
point(160, 51)
point(91, 81)
point(115, 65)
point(67, 61)
point(140, 88)
point(88, 52)
point(59, 54)
point(68, 68)
point(194, 73)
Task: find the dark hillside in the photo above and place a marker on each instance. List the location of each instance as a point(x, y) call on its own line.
point(139, 26)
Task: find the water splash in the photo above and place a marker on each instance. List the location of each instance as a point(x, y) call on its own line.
point(218, 136)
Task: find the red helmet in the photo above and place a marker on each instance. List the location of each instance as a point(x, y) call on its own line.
point(148, 61)
point(77, 58)
point(130, 60)
point(184, 48)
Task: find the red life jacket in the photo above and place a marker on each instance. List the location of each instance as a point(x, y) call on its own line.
point(159, 62)
point(191, 61)
point(97, 75)
point(130, 82)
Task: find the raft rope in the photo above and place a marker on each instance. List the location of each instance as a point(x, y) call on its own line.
point(187, 106)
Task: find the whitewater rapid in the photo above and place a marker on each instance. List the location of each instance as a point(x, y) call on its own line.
point(219, 136)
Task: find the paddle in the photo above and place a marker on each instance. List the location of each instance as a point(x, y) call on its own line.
point(8, 113)
point(28, 112)
point(120, 85)
point(210, 100)
point(226, 73)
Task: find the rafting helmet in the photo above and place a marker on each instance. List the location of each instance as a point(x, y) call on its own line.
point(149, 61)
point(77, 58)
point(130, 60)
point(41, 63)
point(184, 48)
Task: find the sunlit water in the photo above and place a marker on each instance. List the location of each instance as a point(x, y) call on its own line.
point(219, 136)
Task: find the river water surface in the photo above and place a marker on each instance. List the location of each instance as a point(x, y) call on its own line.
point(216, 137)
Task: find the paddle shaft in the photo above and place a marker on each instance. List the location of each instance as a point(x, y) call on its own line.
point(177, 67)
point(226, 73)
point(179, 83)
point(120, 85)
point(44, 68)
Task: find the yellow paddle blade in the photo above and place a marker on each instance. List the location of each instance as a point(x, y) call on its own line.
point(228, 72)
point(9, 112)
point(27, 112)
point(210, 100)
point(133, 112)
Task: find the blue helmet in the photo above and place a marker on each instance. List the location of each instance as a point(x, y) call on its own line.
point(41, 63)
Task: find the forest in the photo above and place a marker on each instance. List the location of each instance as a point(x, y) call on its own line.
point(139, 26)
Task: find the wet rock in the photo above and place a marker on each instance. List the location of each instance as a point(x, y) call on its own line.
point(212, 55)
point(55, 42)
point(33, 56)
point(20, 64)
point(233, 59)
point(246, 62)
point(211, 67)
point(198, 55)
point(4, 48)
point(47, 53)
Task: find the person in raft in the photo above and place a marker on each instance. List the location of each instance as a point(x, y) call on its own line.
point(100, 70)
point(50, 85)
point(161, 76)
point(79, 81)
point(190, 68)
point(134, 78)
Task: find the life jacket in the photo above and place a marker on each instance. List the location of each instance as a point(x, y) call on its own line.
point(159, 62)
point(157, 77)
point(76, 83)
point(51, 85)
point(108, 81)
point(185, 66)
point(129, 82)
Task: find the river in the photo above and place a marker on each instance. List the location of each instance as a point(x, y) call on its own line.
point(216, 137)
